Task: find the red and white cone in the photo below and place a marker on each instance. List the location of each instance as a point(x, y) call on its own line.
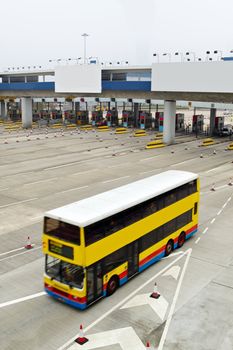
point(230, 183)
point(155, 293)
point(28, 245)
point(81, 338)
point(213, 187)
point(148, 347)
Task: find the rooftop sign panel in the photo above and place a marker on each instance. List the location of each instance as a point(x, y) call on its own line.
point(78, 79)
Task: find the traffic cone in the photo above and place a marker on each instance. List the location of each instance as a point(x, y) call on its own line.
point(155, 293)
point(28, 245)
point(148, 347)
point(201, 155)
point(213, 187)
point(230, 183)
point(214, 152)
point(5, 141)
point(81, 338)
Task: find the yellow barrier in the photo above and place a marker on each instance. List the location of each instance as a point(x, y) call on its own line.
point(159, 135)
point(207, 142)
point(86, 127)
point(103, 128)
point(230, 146)
point(155, 144)
point(139, 133)
point(121, 131)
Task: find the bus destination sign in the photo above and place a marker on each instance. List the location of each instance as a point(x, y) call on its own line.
point(61, 249)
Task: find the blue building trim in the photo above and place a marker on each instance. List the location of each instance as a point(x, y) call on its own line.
point(28, 86)
point(126, 85)
point(106, 85)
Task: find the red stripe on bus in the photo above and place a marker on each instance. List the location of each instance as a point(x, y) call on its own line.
point(151, 256)
point(123, 274)
point(66, 295)
point(191, 229)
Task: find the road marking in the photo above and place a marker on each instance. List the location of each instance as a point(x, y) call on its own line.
point(205, 230)
point(224, 205)
point(172, 254)
point(149, 171)
point(158, 305)
point(209, 171)
point(185, 161)
point(173, 271)
point(122, 302)
point(229, 199)
point(145, 159)
point(74, 189)
point(84, 172)
point(213, 220)
point(4, 189)
point(37, 182)
point(198, 240)
point(118, 178)
point(116, 165)
point(219, 212)
point(26, 251)
point(172, 309)
point(13, 250)
point(16, 301)
point(61, 166)
point(15, 203)
point(37, 217)
point(125, 337)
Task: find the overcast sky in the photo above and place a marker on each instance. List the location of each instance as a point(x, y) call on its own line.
point(34, 31)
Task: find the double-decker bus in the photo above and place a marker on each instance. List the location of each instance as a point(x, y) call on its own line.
point(97, 244)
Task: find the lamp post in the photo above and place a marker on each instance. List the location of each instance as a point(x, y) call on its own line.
point(85, 35)
point(156, 55)
point(193, 53)
point(181, 55)
point(167, 54)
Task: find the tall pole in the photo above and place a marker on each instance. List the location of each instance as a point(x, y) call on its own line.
point(85, 35)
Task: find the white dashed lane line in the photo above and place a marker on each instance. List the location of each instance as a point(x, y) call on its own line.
point(198, 240)
point(213, 220)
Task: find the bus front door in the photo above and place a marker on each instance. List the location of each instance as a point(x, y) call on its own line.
point(94, 282)
point(132, 258)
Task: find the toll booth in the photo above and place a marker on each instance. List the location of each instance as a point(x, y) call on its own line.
point(97, 117)
point(128, 120)
point(198, 123)
point(179, 121)
point(218, 124)
point(144, 120)
point(159, 121)
point(112, 117)
point(82, 117)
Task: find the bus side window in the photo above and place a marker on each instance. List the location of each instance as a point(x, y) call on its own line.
point(195, 209)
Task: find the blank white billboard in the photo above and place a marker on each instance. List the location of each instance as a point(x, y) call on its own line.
point(193, 76)
point(78, 79)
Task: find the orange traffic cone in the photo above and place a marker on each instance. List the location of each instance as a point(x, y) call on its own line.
point(28, 245)
point(81, 338)
point(155, 293)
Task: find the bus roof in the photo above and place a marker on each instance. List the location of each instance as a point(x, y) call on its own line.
point(105, 204)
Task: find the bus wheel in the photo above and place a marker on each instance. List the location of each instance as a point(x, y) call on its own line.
point(181, 239)
point(112, 285)
point(169, 248)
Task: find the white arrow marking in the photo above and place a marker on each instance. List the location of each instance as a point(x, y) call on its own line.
point(173, 271)
point(126, 337)
point(158, 305)
point(172, 309)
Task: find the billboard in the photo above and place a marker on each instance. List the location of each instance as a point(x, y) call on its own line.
point(83, 78)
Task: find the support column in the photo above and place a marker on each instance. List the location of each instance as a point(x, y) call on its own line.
point(26, 106)
point(169, 122)
point(136, 114)
point(213, 112)
point(3, 110)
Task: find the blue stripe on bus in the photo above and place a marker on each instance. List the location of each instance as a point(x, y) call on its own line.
point(152, 261)
point(191, 234)
point(123, 280)
point(67, 301)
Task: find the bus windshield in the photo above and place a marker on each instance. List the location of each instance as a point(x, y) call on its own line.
point(62, 230)
point(64, 272)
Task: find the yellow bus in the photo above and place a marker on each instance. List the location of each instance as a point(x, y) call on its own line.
point(97, 244)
